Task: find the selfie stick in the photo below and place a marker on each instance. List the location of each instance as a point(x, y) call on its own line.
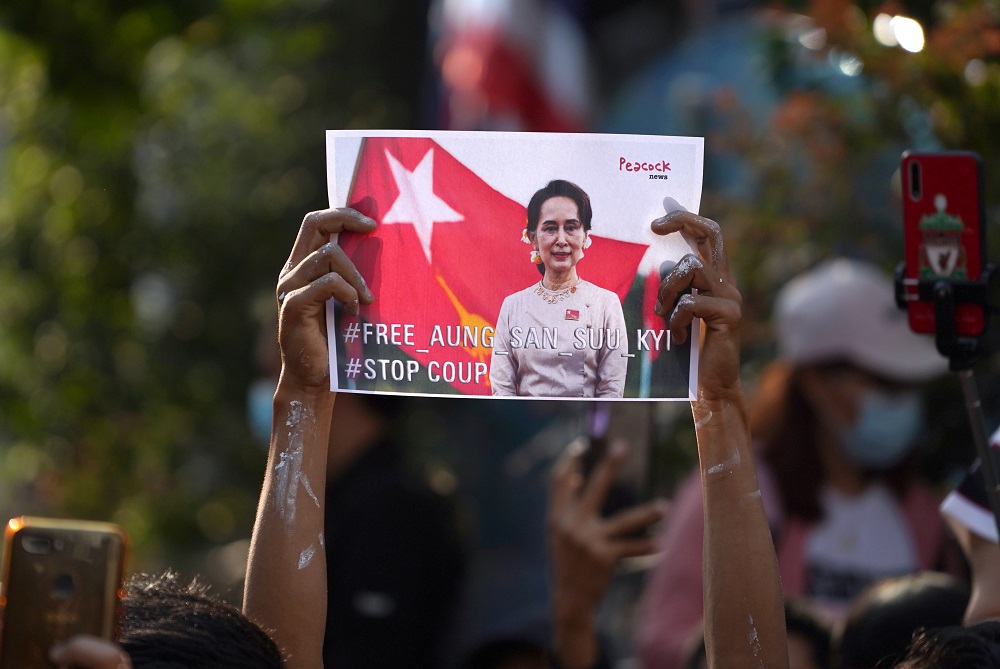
point(962, 352)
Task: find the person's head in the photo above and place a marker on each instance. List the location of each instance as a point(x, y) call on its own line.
point(508, 654)
point(859, 363)
point(956, 647)
point(847, 374)
point(809, 637)
point(559, 218)
point(518, 641)
point(883, 619)
point(167, 625)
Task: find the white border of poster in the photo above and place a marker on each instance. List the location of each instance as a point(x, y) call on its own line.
point(631, 180)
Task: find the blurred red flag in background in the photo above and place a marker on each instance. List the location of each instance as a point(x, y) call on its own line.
point(511, 65)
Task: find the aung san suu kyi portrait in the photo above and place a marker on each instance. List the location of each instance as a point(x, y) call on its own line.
point(562, 336)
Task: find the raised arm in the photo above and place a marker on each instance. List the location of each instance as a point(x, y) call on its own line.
point(744, 618)
point(585, 547)
point(285, 590)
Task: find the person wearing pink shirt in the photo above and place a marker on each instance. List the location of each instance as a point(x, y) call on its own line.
point(835, 420)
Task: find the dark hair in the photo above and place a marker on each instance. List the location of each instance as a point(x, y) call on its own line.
point(498, 653)
point(784, 421)
point(559, 188)
point(883, 619)
point(802, 619)
point(166, 625)
point(973, 647)
point(785, 426)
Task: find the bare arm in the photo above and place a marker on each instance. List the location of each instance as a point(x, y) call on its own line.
point(744, 618)
point(285, 590)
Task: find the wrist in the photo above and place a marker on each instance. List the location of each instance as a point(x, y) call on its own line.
point(304, 409)
point(574, 643)
point(719, 397)
point(581, 654)
point(290, 389)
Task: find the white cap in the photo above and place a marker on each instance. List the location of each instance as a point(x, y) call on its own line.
point(846, 310)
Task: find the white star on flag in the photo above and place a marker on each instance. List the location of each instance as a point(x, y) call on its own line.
point(417, 203)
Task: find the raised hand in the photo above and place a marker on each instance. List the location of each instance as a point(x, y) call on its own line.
point(744, 617)
point(717, 302)
point(585, 548)
point(317, 270)
point(285, 590)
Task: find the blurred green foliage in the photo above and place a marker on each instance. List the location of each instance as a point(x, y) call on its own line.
point(155, 160)
point(156, 157)
point(943, 97)
point(824, 163)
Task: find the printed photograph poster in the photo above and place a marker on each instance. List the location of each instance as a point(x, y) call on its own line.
point(472, 299)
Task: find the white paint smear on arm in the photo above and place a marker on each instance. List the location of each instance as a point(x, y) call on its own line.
point(288, 471)
point(306, 556)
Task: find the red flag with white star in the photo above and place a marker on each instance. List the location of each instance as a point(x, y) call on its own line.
point(513, 64)
point(446, 252)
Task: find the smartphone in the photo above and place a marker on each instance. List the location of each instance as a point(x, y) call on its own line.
point(598, 421)
point(943, 230)
point(60, 578)
point(632, 423)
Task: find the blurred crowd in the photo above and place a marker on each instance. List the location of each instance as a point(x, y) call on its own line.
point(804, 538)
point(520, 562)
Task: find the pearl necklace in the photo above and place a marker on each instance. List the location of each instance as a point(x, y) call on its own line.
point(554, 296)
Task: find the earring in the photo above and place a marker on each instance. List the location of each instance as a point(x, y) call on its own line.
point(587, 242)
point(535, 257)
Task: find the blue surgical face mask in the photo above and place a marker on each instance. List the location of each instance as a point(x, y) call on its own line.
point(260, 403)
point(885, 429)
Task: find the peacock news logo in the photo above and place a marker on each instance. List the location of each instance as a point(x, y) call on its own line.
point(657, 170)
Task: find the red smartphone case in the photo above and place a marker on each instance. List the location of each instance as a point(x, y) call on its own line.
point(943, 232)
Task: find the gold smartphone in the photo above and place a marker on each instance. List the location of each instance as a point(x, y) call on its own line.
point(60, 578)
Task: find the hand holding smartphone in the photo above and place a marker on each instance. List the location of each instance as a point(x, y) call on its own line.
point(631, 424)
point(60, 578)
point(943, 231)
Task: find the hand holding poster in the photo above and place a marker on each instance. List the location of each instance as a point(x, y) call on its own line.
point(511, 264)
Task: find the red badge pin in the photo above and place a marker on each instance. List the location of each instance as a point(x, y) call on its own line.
point(572, 315)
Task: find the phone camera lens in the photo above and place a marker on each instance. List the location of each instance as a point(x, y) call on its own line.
point(62, 587)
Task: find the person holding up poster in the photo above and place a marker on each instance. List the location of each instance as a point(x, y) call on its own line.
point(835, 420)
point(563, 336)
point(286, 582)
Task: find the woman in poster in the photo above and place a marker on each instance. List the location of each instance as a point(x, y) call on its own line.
point(563, 336)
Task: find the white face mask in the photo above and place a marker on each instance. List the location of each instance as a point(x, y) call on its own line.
point(884, 431)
